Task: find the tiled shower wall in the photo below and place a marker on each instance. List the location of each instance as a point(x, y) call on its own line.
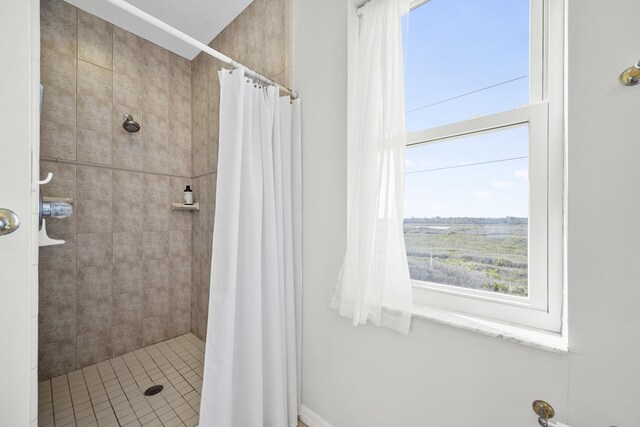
point(260, 38)
point(122, 280)
point(126, 276)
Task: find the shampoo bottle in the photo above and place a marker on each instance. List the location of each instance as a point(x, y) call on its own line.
point(188, 196)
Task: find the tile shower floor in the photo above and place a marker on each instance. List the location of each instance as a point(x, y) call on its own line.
point(111, 393)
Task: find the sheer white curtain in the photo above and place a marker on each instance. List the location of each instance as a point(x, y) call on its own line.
point(251, 368)
point(374, 282)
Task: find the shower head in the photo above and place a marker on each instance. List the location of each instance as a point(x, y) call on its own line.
point(129, 124)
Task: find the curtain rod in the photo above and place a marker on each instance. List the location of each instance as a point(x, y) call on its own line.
point(122, 4)
point(413, 4)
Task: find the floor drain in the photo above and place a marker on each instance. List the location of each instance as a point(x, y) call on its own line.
point(153, 390)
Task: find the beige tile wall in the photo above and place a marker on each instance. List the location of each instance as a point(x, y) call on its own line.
point(260, 38)
point(133, 272)
point(123, 279)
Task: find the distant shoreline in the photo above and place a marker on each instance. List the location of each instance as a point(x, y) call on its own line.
point(509, 220)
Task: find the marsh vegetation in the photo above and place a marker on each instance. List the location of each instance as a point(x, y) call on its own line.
point(479, 253)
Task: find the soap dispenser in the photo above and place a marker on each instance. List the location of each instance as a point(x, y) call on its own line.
point(188, 196)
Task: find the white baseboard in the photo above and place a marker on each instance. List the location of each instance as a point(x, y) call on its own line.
point(312, 419)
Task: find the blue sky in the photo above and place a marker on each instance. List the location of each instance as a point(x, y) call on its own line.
point(454, 47)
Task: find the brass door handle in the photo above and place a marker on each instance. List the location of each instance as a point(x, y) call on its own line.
point(9, 221)
point(544, 411)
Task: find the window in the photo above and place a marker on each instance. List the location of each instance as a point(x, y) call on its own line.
point(484, 186)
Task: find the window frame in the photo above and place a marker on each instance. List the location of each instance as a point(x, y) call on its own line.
point(543, 307)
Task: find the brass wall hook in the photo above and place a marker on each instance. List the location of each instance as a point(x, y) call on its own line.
point(631, 76)
point(544, 411)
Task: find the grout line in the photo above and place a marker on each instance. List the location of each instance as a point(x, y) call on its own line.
point(93, 410)
point(204, 174)
point(75, 130)
point(113, 177)
point(73, 411)
point(52, 407)
point(111, 167)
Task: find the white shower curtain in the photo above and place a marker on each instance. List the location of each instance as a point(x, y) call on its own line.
point(251, 359)
point(374, 284)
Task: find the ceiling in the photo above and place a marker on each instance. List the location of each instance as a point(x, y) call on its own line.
point(201, 19)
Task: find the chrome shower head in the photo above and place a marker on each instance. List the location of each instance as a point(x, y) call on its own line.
point(129, 124)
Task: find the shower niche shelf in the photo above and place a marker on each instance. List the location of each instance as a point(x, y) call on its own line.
point(183, 207)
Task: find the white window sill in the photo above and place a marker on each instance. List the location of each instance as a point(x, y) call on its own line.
point(530, 337)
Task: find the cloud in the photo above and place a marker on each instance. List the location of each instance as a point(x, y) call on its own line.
point(481, 194)
point(438, 207)
point(503, 184)
point(521, 173)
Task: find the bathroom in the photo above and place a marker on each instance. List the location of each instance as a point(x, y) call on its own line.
point(169, 149)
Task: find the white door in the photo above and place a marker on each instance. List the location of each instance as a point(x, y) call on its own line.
point(19, 128)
